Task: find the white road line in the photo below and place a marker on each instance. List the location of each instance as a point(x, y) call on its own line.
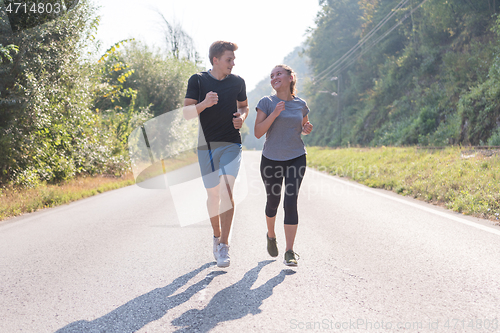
point(406, 202)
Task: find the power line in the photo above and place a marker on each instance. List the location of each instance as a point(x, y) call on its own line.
point(382, 37)
point(364, 39)
point(339, 62)
point(378, 39)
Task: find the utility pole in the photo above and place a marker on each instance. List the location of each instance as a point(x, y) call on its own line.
point(339, 115)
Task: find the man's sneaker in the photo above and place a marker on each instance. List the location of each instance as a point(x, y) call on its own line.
point(290, 259)
point(216, 244)
point(272, 248)
point(223, 259)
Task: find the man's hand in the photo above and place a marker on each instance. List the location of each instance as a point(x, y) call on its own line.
point(307, 128)
point(211, 99)
point(237, 120)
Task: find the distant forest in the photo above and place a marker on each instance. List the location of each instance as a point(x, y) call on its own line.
point(404, 72)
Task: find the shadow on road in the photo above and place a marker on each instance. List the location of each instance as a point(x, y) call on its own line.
point(233, 302)
point(146, 308)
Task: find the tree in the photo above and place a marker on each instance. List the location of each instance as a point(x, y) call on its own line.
point(178, 42)
point(160, 80)
point(48, 130)
point(406, 67)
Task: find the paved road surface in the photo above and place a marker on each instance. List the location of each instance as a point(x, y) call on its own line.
point(371, 261)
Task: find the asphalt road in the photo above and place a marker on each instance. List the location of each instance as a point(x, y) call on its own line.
point(370, 261)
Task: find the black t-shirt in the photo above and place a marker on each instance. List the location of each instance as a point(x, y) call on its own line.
point(217, 120)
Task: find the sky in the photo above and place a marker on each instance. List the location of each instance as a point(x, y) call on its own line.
point(265, 30)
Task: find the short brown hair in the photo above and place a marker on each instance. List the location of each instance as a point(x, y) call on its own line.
point(218, 48)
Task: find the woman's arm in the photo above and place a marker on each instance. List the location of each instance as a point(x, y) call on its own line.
point(306, 126)
point(263, 122)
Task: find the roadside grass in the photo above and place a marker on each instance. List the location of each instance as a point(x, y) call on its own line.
point(459, 179)
point(17, 201)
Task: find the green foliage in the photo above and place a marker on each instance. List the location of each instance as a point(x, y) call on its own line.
point(480, 111)
point(138, 83)
point(160, 80)
point(480, 107)
point(429, 81)
point(111, 94)
point(494, 140)
point(64, 113)
point(5, 53)
point(48, 130)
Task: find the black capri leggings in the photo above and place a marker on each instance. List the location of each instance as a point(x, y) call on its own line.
point(272, 173)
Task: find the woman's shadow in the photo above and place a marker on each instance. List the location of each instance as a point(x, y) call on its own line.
point(233, 302)
point(146, 308)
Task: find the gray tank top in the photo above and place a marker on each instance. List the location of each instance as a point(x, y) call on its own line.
point(283, 139)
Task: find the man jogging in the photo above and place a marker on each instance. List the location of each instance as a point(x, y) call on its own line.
point(221, 104)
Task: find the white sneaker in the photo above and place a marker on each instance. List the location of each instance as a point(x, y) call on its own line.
point(223, 260)
point(216, 250)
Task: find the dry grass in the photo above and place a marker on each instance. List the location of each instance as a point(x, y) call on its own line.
point(17, 201)
point(459, 179)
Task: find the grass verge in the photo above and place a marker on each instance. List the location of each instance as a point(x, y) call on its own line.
point(17, 201)
point(459, 179)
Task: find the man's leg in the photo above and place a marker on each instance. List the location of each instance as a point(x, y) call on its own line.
point(230, 159)
point(226, 206)
point(211, 181)
point(213, 203)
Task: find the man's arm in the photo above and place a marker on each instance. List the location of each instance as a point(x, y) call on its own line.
point(241, 115)
point(189, 112)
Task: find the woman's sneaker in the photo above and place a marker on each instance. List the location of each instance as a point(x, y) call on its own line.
point(223, 259)
point(291, 258)
point(272, 247)
point(216, 244)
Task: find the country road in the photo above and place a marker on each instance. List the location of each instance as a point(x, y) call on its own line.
point(370, 261)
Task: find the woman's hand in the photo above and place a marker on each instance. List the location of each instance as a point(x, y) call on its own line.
point(279, 107)
point(307, 128)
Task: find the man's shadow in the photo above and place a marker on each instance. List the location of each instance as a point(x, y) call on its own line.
point(146, 308)
point(233, 302)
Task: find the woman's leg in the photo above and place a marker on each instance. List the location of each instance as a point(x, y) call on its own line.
point(271, 221)
point(290, 232)
point(293, 179)
point(272, 173)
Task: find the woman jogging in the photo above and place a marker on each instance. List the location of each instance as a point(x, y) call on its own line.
point(283, 118)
